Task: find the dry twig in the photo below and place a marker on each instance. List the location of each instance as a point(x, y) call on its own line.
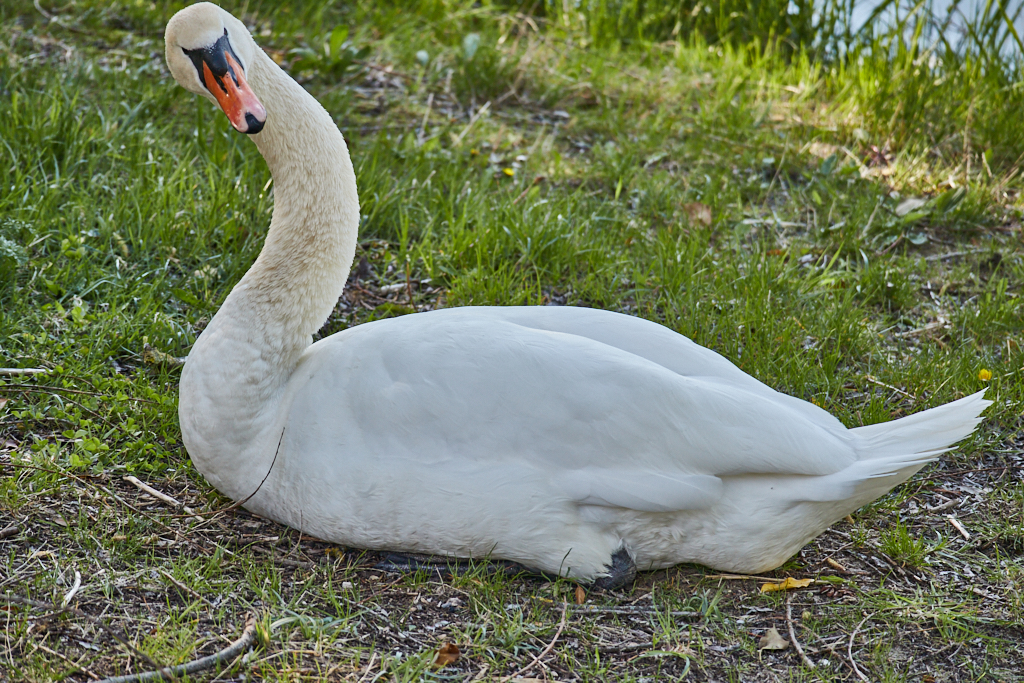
point(959, 527)
point(875, 380)
point(42, 389)
point(227, 654)
point(74, 589)
point(545, 651)
point(23, 371)
point(792, 633)
point(185, 589)
point(369, 667)
point(633, 609)
point(78, 667)
point(849, 650)
point(739, 577)
point(173, 502)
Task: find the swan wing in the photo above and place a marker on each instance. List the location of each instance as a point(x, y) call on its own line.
point(462, 389)
point(652, 341)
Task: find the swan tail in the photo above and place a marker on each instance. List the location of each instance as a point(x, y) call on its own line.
point(931, 431)
point(891, 452)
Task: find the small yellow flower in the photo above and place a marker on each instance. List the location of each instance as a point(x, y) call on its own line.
point(509, 172)
point(474, 152)
point(984, 375)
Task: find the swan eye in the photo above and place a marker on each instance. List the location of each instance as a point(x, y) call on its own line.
point(216, 58)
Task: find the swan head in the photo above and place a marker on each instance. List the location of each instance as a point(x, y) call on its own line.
point(208, 52)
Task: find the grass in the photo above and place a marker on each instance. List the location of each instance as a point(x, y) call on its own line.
point(752, 194)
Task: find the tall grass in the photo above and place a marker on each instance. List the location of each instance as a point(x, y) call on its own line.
point(795, 23)
point(922, 78)
point(944, 84)
point(825, 26)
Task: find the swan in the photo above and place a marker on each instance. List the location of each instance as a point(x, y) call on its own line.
point(572, 441)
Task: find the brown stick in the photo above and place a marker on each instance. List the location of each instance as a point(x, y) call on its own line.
point(545, 651)
point(633, 609)
point(77, 667)
point(230, 652)
point(739, 577)
point(43, 389)
point(849, 650)
point(792, 633)
point(23, 371)
point(173, 502)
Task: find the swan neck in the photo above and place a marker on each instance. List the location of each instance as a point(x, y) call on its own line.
point(293, 286)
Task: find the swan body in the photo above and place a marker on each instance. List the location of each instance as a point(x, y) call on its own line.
point(556, 437)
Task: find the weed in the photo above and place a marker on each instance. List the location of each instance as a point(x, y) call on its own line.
point(898, 544)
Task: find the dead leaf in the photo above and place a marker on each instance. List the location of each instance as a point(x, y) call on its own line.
point(448, 654)
point(786, 584)
point(771, 640)
point(822, 150)
point(3, 402)
point(154, 356)
point(698, 213)
point(581, 595)
point(910, 204)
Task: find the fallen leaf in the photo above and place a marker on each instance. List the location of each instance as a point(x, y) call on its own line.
point(822, 150)
point(581, 595)
point(909, 204)
point(771, 640)
point(654, 158)
point(698, 213)
point(3, 402)
point(786, 584)
point(448, 654)
point(154, 356)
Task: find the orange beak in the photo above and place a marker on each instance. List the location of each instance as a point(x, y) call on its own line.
point(223, 76)
point(235, 97)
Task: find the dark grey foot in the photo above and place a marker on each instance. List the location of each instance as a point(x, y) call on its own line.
point(621, 572)
point(447, 566)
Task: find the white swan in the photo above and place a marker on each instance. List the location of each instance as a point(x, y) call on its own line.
point(559, 438)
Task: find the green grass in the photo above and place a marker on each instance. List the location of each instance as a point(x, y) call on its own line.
point(745, 187)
